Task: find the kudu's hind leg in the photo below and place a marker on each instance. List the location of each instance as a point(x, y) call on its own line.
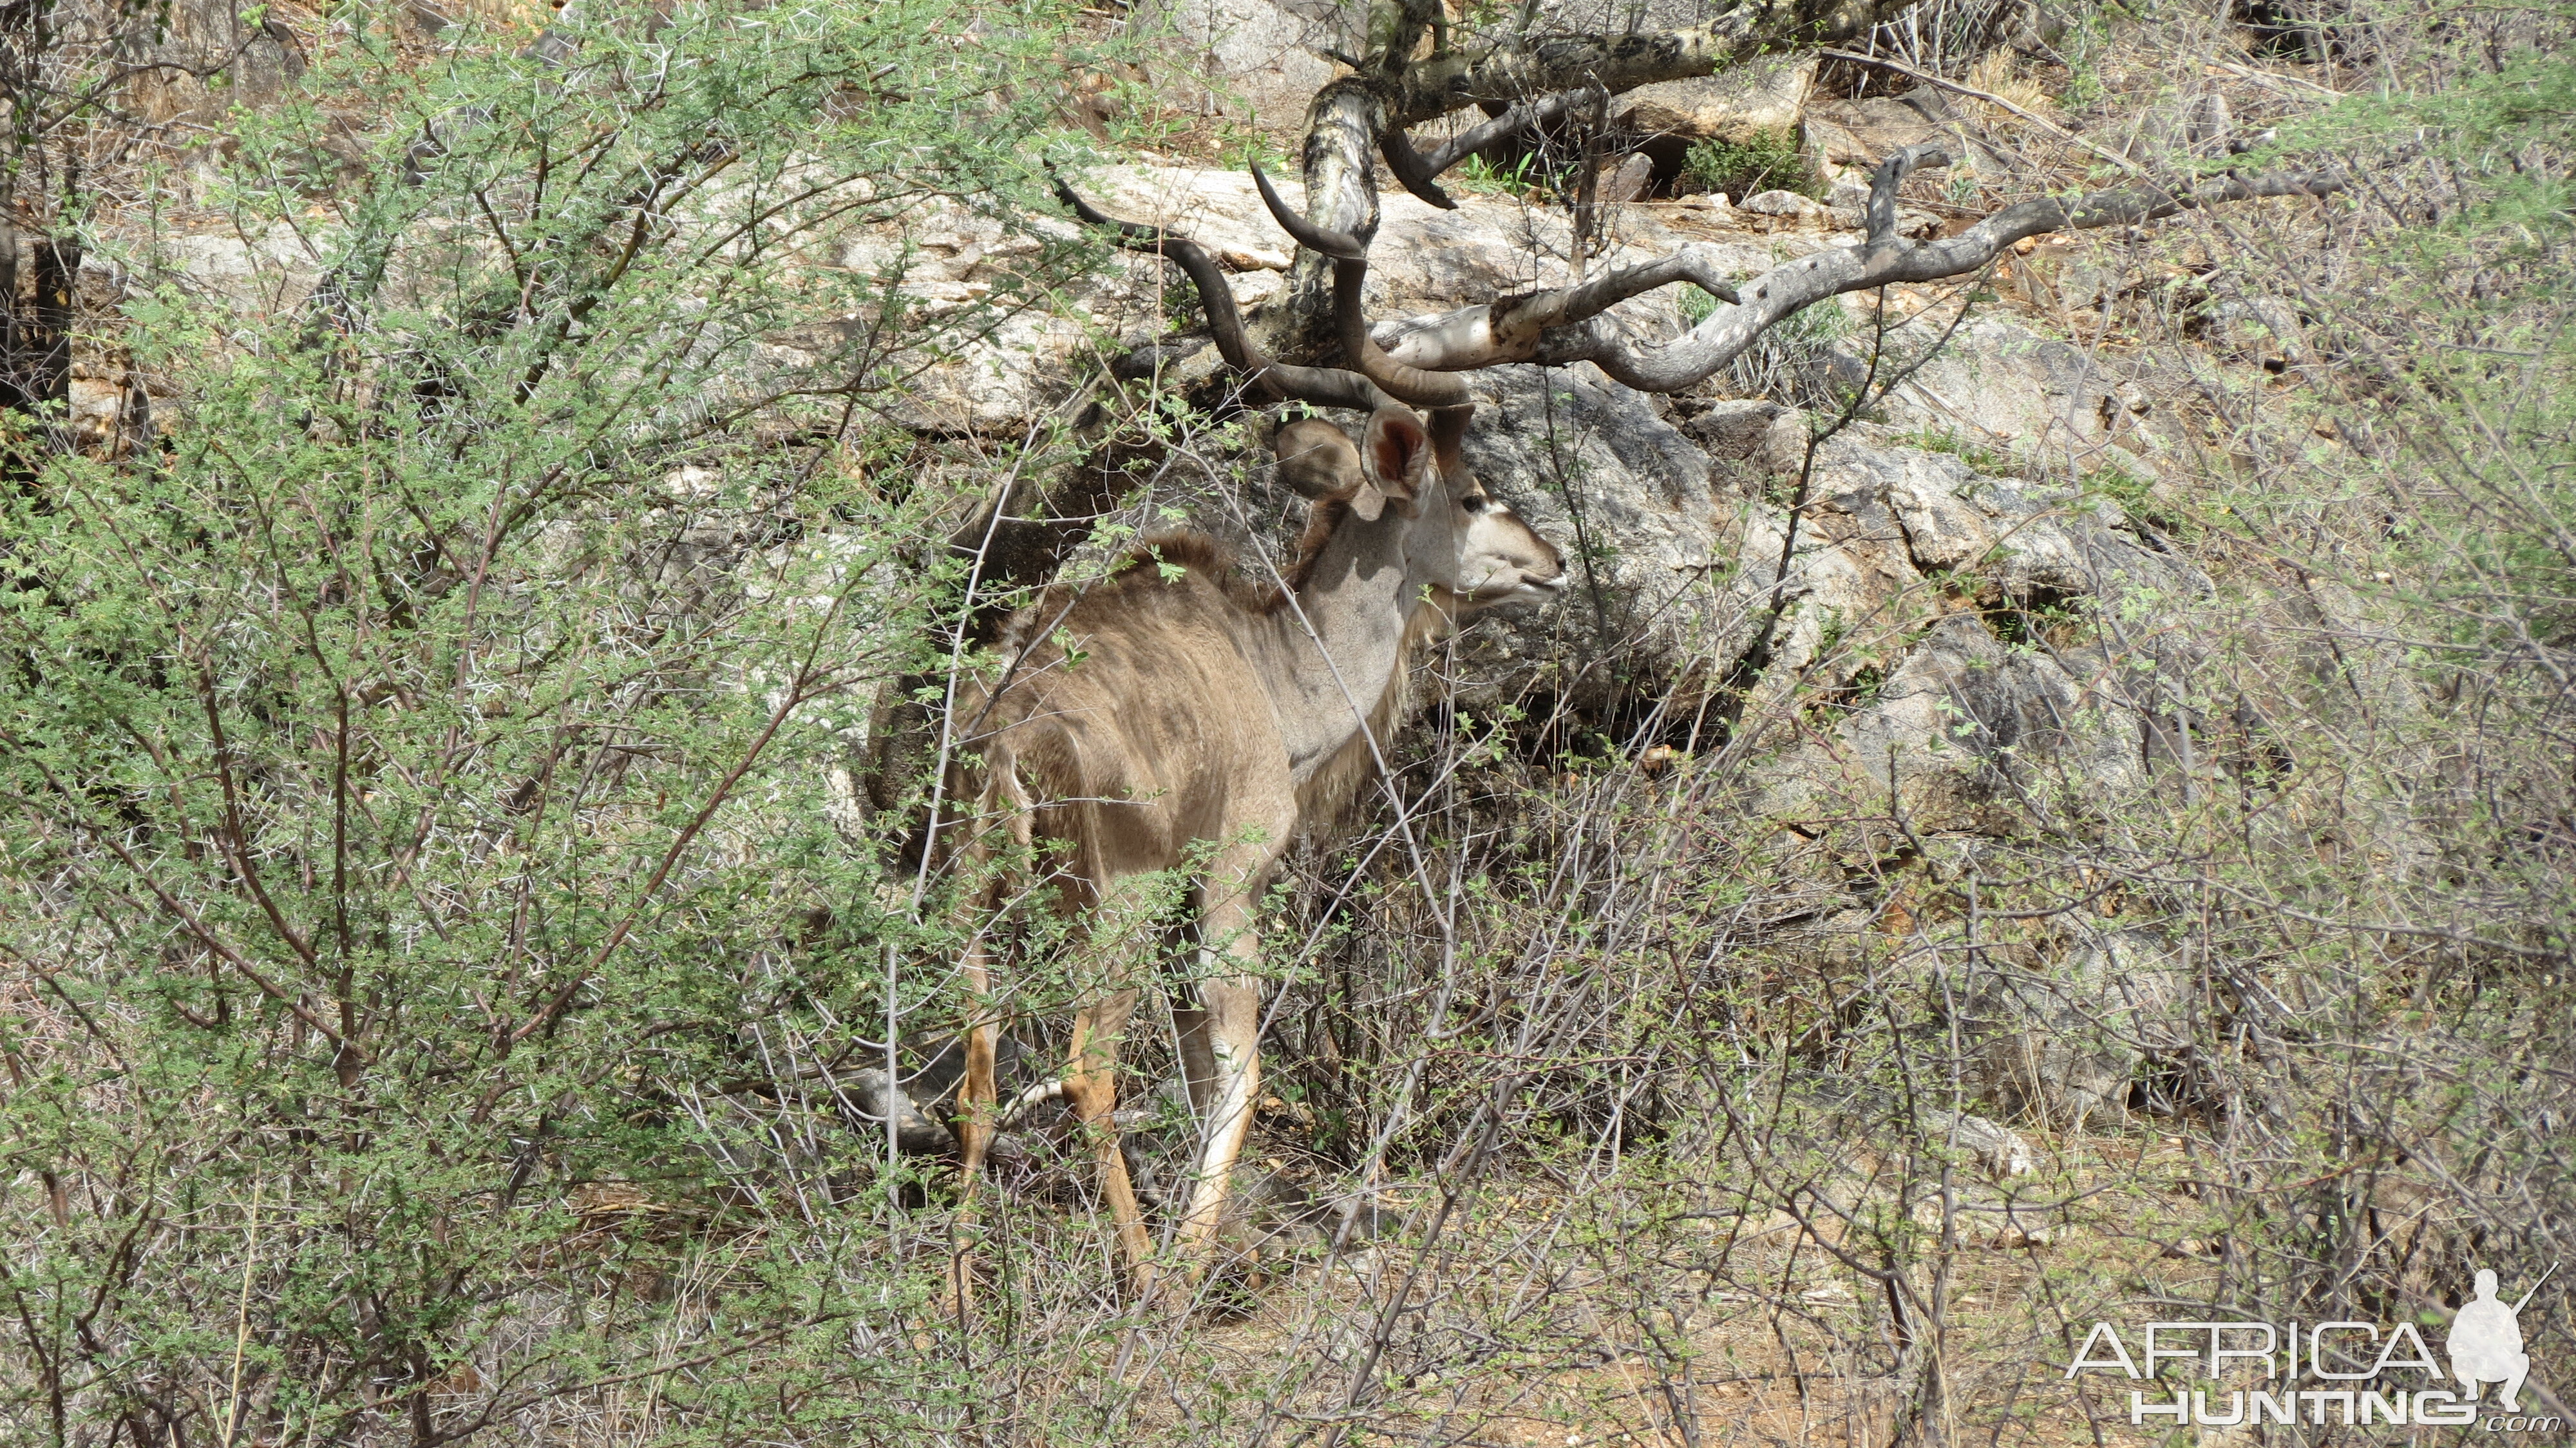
point(1091, 1084)
point(975, 1112)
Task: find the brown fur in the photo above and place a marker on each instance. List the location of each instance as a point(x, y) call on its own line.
point(1140, 580)
point(1202, 556)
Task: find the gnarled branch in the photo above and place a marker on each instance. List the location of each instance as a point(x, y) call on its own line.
point(1368, 111)
point(1487, 336)
point(1887, 180)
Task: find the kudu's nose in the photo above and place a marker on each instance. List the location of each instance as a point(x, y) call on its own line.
point(1548, 569)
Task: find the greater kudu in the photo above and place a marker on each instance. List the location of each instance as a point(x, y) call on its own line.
point(1178, 718)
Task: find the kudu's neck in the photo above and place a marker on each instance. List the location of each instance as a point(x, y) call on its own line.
point(1333, 659)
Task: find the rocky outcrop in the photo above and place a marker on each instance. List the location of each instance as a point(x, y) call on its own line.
point(200, 58)
point(1845, 138)
point(2001, 386)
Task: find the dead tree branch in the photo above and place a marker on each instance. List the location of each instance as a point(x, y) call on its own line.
point(1565, 326)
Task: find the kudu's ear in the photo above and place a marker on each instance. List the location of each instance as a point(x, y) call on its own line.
point(1316, 460)
point(1399, 459)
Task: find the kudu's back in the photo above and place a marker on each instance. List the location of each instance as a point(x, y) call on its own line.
point(1130, 722)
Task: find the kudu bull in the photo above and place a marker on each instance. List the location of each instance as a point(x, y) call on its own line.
point(1178, 718)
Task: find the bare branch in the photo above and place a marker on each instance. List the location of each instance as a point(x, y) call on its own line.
point(1883, 187)
point(1486, 336)
point(1366, 112)
point(1503, 127)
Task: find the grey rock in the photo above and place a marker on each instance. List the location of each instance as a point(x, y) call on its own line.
point(206, 56)
point(1859, 134)
point(1999, 384)
point(2060, 1040)
point(1762, 96)
point(1734, 429)
point(2188, 125)
point(1628, 181)
point(1265, 56)
point(2259, 326)
point(1853, 1114)
point(1997, 1148)
point(1957, 730)
point(1784, 203)
point(1943, 531)
point(1627, 496)
point(866, 1096)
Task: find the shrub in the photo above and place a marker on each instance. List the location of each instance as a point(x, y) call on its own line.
point(414, 769)
point(1766, 160)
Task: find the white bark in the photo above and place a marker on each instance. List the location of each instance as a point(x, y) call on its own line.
point(1565, 326)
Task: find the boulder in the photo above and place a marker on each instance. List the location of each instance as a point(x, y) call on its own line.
point(1998, 384)
point(1940, 718)
point(2187, 125)
point(1261, 56)
point(1998, 1149)
point(1628, 498)
point(865, 1098)
point(1867, 1145)
point(1735, 430)
point(1955, 725)
point(1785, 204)
point(95, 407)
point(204, 57)
point(1627, 181)
point(2258, 328)
point(1845, 139)
point(1884, 124)
point(1762, 95)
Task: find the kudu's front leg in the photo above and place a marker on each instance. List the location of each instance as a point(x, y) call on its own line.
point(1226, 1071)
